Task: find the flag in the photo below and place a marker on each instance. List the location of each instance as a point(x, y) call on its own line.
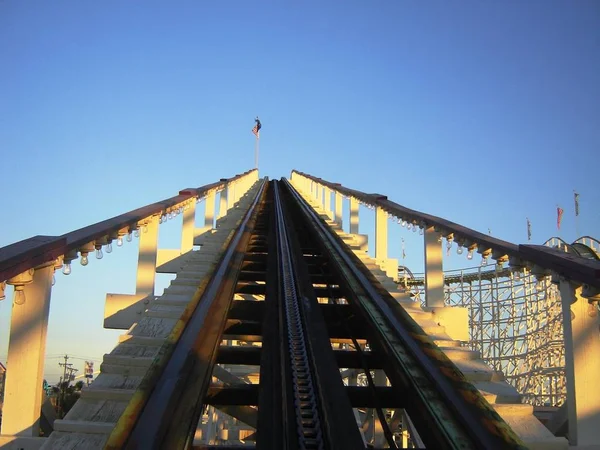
point(528, 229)
point(576, 195)
point(89, 369)
point(559, 214)
point(257, 127)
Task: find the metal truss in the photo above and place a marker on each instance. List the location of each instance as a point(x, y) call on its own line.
point(515, 322)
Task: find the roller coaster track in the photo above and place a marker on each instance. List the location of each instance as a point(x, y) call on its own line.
point(585, 247)
point(327, 307)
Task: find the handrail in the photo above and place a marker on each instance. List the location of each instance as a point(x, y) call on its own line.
point(584, 271)
point(23, 255)
point(467, 236)
point(26, 254)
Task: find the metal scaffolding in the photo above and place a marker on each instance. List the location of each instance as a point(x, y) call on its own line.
point(515, 322)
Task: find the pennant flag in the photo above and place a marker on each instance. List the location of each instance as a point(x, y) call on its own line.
point(89, 369)
point(559, 215)
point(576, 195)
point(528, 229)
point(257, 127)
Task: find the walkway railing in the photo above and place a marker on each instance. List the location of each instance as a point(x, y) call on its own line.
point(576, 279)
point(29, 267)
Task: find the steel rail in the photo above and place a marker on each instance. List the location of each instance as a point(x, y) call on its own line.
point(30, 253)
point(584, 271)
point(273, 426)
point(308, 339)
point(442, 401)
point(170, 396)
point(310, 434)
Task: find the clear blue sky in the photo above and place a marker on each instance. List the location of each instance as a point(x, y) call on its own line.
point(484, 113)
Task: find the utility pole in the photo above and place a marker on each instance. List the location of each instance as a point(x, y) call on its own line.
point(62, 390)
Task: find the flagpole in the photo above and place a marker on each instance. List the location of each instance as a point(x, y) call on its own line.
point(576, 198)
point(256, 151)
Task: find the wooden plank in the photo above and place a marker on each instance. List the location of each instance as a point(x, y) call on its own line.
point(570, 266)
point(26, 254)
point(29, 253)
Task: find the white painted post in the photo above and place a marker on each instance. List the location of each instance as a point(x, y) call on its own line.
point(353, 215)
point(209, 209)
point(222, 202)
point(26, 352)
point(188, 227)
point(338, 208)
point(230, 195)
point(381, 236)
point(328, 202)
point(146, 270)
point(582, 365)
point(434, 273)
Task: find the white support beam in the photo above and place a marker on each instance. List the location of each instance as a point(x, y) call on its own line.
point(353, 215)
point(222, 202)
point(188, 227)
point(434, 273)
point(338, 207)
point(381, 236)
point(123, 310)
point(146, 270)
point(230, 195)
point(26, 352)
point(582, 365)
point(327, 206)
point(209, 210)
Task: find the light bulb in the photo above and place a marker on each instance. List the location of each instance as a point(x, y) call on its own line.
point(99, 254)
point(414, 228)
point(119, 241)
point(109, 247)
point(421, 231)
point(84, 259)
point(409, 226)
point(449, 244)
point(19, 295)
point(404, 223)
point(66, 270)
point(470, 253)
point(484, 260)
point(129, 237)
point(459, 250)
point(136, 233)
